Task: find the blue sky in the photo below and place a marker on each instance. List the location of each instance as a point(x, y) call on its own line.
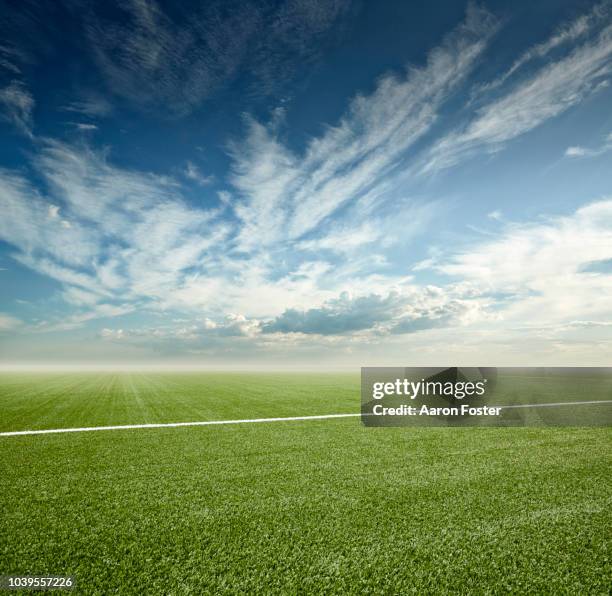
point(306, 183)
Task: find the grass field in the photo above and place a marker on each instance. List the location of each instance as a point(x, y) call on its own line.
point(290, 507)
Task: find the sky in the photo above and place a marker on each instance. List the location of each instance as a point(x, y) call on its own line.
point(306, 183)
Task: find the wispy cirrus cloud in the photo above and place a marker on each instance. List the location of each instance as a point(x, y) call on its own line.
point(565, 34)
point(84, 126)
point(577, 151)
point(177, 62)
point(553, 89)
point(539, 272)
point(285, 195)
point(109, 235)
point(17, 105)
point(31, 223)
point(12, 58)
point(90, 104)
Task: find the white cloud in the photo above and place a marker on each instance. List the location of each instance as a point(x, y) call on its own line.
point(115, 334)
point(91, 104)
point(345, 238)
point(53, 211)
point(8, 322)
point(192, 172)
point(554, 88)
point(17, 105)
point(534, 270)
point(576, 151)
point(145, 242)
point(118, 235)
point(32, 225)
point(565, 34)
point(85, 127)
point(232, 327)
point(98, 311)
point(579, 151)
point(367, 317)
point(80, 297)
point(285, 195)
point(10, 58)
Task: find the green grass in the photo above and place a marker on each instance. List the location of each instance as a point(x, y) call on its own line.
point(74, 400)
point(316, 506)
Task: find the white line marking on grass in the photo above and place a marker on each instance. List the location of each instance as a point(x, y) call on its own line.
point(561, 403)
point(251, 420)
point(171, 424)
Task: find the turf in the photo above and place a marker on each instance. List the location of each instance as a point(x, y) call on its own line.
point(74, 400)
point(291, 507)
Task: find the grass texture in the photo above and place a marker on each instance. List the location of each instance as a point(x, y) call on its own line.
point(323, 506)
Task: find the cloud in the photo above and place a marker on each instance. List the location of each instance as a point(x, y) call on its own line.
point(34, 225)
point(565, 34)
point(120, 236)
point(416, 309)
point(578, 151)
point(536, 271)
point(17, 106)
point(582, 324)
point(192, 172)
point(11, 58)
point(285, 195)
point(112, 334)
point(553, 89)
point(233, 325)
point(84, 127)
point(91, 104)
point(541, 281)
point(176, 62)
point(188, 332)
point(134, 245)
point(136, 239)
point(80, 297)
point(79, 317)
point(339, 316)
point(344, 238)
point(124, 238)
point(366, 318)
point(8, 322)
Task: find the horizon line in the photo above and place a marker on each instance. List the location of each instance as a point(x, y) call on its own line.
point(51, 367)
